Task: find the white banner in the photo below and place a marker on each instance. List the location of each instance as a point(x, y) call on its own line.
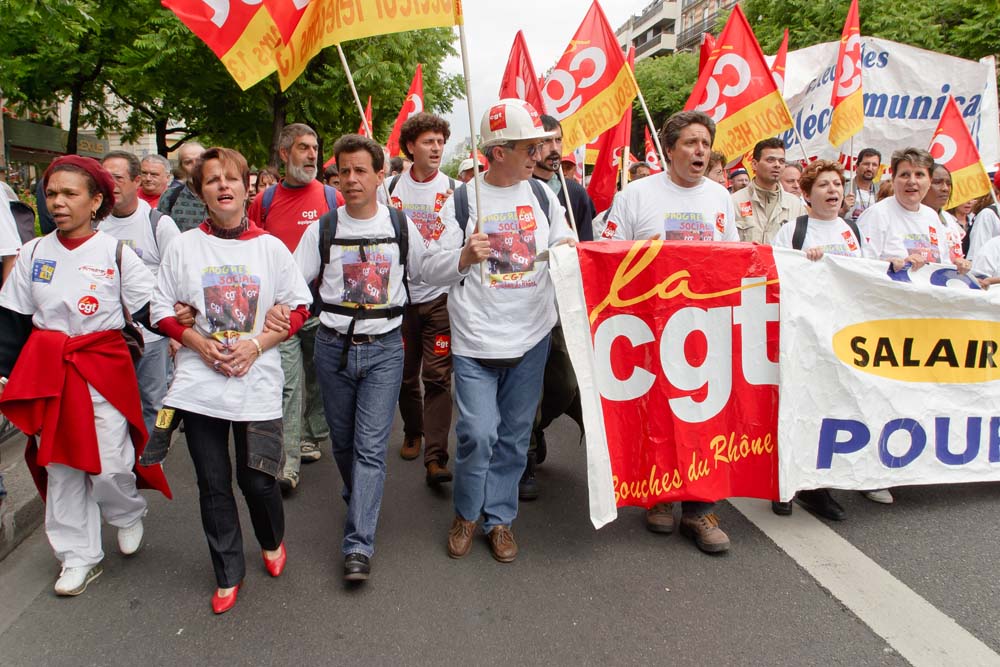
point(905, 91)
point(885, 383)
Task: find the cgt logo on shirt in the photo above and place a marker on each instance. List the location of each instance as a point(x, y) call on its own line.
point(746, 209)
point(526, 219)
point(88, 305)
point(442, 344)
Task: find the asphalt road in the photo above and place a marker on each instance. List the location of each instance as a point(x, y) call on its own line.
point(574, 595)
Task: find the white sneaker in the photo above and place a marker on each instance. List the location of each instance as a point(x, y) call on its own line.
point(130, 539)
point(878, 496)
point(74, 580)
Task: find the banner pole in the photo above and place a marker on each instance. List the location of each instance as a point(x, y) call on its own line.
point(649, 122)
point(472, 134)
point(361, 110)
point(569, 204)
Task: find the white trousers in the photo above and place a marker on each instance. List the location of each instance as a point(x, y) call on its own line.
point(76, 501)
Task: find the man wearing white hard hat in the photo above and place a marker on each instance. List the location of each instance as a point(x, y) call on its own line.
point(501, 308)
point(465, 172)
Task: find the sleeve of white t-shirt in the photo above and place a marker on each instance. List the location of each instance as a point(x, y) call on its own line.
point(10, 240)
point(16, 292)
point(292, 291)
point(783, 239)
point(986, 226)
point(622, 216)
point(440, 264)
point(987, 259)
point(138, 283)
point(886, 244)
point(166, 232)
point(559, 229)
point(167, 278)
point(307, 253)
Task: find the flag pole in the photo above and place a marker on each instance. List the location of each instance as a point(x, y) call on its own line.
point(472, 134)
point(569, 204)
point(649, 121)
point(361, 110)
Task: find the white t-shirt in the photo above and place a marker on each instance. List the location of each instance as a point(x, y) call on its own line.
point(137, 233)
point(509, 313)
point(833, 236)
point(864, 198)
point(657, 205)
point(76, 291)
point(10, 239)
point(987, 259)
point(422, 203)
point(373, 280)
point(985, 227)
point(231, 284)
point(895, 232)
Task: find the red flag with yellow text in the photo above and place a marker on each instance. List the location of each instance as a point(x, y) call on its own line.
point(591, 86)
point(954, 147)
point(365, 129)
point(412, 105)
point(243, 36)
point(652, 159)
point(705, 52)
point(778, 66)
point(519, 80)
point(737, 91)
point(612, 151)
point(848, 104)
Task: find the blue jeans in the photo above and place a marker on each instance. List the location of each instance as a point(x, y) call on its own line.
point(151, 372)
point(360, 403)
point(496, 408)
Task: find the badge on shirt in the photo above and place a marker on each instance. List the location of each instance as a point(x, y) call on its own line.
point(746, 209)
point(609, 231)
point(441, 345)
point(720, 223)
point(397, 202)
point(42, 270)
point(439, 199)
point(88, 305)
point(526, 219)
point(851, 242)
point(933, 231)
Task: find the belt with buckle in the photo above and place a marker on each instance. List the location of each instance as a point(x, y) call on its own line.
point(356, 339)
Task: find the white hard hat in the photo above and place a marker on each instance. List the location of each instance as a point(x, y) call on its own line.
point(511, 119)
point(465, 165)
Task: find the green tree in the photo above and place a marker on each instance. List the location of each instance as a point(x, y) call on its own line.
point(666, 83)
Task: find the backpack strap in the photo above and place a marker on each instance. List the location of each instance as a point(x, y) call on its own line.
point(451, 183)
point(393, 182)
point(154, 221)
point(538, 188)
point(331, 197)
point(265, 202)
point(461, 196)
point(799, 237)
point(402, 230)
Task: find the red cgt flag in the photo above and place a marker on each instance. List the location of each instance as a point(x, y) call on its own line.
point(413, 105)
point(365, 129)
point(705, 52)
point(519, 80)
point(848, 116)
point(736, 90)
point(591, 86)
point(954, 147)
point(778, 66)
point(612, 155)
point(243, 36)
point(652, 159)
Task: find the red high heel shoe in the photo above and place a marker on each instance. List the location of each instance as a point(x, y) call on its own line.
point(275, 566)
point(220, 605)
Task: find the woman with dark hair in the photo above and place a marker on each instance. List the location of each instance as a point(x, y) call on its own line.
point(74, 384)
point(265, 178)
point(936, 199)
point(228, 375)
point(965, 219)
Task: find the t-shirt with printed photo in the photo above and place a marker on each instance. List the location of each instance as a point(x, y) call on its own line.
point(231, 296)
point(366, 278)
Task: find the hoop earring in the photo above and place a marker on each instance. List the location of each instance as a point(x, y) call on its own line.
point(93, 215)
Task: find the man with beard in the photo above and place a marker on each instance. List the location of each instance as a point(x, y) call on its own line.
point(285, 210)
point(681, 199)
point(763, 206)
point(862, 191)
point(560, 394)
point(180, 202)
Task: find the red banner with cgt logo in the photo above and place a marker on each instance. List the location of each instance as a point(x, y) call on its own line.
point(684, 348)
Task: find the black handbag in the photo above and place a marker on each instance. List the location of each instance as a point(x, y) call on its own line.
point(131, 331)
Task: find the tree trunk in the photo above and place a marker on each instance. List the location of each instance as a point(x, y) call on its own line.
point(160, 124)
point(279, 106)
point(74, 119)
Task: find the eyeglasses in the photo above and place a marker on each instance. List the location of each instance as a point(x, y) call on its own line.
point(533, 150)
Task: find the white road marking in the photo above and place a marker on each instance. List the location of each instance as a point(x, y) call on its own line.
point(915, 628)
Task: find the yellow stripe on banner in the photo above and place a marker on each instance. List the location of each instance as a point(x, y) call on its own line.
point(591, 156)
point(354, 19)
point(740, 132)
point(848, 118)
point(600, 113)
point(251, 58)
point(967, 184)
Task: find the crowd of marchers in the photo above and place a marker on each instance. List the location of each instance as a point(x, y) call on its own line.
point(265, 315)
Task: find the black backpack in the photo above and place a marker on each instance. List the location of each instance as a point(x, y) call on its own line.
point(328, 238)
point(802, 223)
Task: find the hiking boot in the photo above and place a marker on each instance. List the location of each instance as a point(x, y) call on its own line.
point(460, 537)
point(411, 447)
point(705, 532)
point(660, 518)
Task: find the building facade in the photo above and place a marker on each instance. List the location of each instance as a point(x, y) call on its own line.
point(652, 31)
point(698, 17)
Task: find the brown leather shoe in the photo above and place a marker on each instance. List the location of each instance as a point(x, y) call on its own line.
point(705, 532)
point(437, 474)
point(502, 544)
point(411, 447)
point(460, 537)
point(660, 518)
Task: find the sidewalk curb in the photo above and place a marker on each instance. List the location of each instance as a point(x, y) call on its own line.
point(22, 510)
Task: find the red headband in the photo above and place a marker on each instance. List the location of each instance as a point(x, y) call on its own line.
point(105, 184)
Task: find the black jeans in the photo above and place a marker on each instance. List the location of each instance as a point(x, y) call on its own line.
point(208, 442)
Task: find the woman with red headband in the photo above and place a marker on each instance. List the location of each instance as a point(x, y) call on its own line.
point(228, 377)
point(73, 383)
